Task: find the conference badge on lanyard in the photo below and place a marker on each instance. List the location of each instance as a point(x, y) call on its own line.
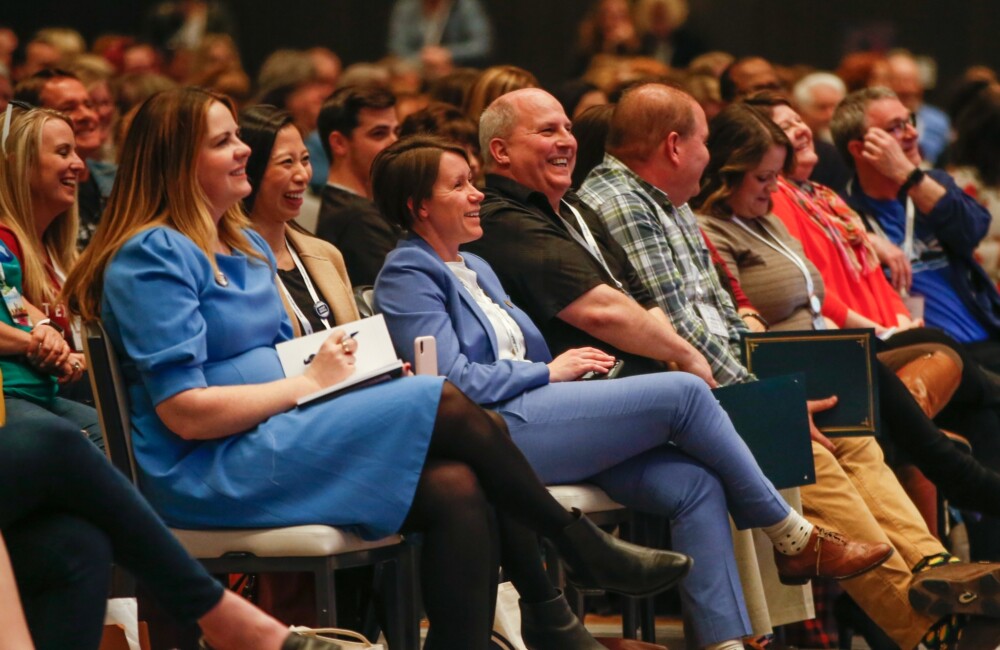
point(819, 323)
point(15, 305)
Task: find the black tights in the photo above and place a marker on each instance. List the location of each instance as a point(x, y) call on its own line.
point(472, 463)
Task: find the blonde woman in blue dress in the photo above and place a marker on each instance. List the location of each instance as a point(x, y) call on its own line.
point(187, 294)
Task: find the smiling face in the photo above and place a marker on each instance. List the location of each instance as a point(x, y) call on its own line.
point(377, 128)
point(890, 115)
point(67, 95)
point(450, 217)
point(221, 162)
point(541, 150)
point(752, 198)
point(54, 176)
point(801, 137)
point(285, 179)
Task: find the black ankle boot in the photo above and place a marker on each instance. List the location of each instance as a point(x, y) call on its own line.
point(553, 626)
point(597, 560)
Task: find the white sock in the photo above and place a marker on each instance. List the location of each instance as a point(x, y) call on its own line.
point(732, 644)
point(789, 535)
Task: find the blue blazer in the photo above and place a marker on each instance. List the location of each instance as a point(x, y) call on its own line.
point(419, 296)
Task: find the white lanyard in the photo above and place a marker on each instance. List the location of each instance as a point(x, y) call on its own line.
point(319, 306)
point(780, 247)
point(908, 233)
point(590, 243)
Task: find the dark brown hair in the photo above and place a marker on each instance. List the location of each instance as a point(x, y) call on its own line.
point(739, 138)
point(259, 127)
point(404, 173)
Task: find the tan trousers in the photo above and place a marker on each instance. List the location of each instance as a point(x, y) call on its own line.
point(858, 495)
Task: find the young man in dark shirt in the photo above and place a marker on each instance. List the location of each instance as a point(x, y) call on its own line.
point(355, 124)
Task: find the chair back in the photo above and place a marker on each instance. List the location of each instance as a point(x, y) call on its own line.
point(111, 396)
point(364, 296)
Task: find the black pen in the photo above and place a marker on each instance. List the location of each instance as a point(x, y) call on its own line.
point(309, 359)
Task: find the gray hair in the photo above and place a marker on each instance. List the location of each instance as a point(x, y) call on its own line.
point(802, 92)
point(497, 121)
point(848, 123)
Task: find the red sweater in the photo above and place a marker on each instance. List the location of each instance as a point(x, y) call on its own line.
point(871, 296)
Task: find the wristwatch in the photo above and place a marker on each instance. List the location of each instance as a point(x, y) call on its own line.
point(911, 181)
point(48, 321)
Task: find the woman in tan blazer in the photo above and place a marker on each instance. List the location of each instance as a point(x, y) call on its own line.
point(312, 279)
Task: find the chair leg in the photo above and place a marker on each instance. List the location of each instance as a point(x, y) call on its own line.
point(400, 593)
point(326, 598)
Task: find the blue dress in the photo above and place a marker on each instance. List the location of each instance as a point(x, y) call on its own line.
point(351, 461)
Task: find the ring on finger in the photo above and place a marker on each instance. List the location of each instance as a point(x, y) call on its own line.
point(76, 365)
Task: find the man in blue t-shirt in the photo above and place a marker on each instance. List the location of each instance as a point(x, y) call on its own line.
point(928, 228)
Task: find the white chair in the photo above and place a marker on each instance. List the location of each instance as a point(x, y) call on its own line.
point(316, 549)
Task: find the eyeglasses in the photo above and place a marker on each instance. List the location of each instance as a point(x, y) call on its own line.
point(897, 128)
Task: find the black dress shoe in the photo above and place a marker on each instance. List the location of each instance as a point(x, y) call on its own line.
point(596, 560)
point(553, 626)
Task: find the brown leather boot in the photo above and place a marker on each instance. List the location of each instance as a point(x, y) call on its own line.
point(830, 555)
point(959, 588)
point(932, 379)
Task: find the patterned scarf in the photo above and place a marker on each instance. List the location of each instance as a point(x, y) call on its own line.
point(840, 223)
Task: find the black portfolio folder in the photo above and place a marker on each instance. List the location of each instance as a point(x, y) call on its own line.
point(770, 415)
point(835, 362)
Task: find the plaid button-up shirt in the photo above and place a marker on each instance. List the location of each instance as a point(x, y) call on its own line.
point(664, 244)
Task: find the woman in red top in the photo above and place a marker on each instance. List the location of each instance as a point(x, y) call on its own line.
point(832, 235)
point(38, 213)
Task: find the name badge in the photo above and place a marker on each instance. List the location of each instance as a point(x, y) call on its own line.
point(815, 306)
point(15, 306)
point(713, 320)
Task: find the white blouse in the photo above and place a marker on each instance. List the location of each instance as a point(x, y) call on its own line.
point(510, 338)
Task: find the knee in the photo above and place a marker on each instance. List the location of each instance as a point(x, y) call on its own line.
point(38, 444)
point(498, 422)
point(456, 487)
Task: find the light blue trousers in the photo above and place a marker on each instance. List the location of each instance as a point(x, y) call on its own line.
point(659, 443)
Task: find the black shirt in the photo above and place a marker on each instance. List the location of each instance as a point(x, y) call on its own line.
point(354, 225)
point(543, 267)
point(296, 287)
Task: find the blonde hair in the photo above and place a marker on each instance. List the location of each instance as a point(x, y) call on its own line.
point(157, 186)
point(494, 82)
point(58, 242)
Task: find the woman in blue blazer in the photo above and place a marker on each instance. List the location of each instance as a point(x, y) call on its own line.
point(660, 442)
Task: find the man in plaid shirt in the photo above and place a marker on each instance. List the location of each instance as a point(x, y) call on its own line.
point(657, 153)
point(658, 231)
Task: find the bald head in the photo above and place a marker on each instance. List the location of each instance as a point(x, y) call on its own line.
point(527, 137)
point(643, 118)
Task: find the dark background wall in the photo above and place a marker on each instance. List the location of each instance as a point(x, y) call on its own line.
point(539, 34)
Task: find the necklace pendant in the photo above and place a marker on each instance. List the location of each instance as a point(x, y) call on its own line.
point(221, 278)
